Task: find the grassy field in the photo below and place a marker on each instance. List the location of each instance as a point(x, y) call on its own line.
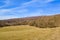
point(25, 32)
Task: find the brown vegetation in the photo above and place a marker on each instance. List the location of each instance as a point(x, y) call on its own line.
point(39, 21)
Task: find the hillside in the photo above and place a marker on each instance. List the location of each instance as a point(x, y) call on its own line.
point(25, 32)
point(37, 21)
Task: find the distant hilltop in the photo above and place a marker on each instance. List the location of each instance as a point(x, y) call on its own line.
point(38, 21)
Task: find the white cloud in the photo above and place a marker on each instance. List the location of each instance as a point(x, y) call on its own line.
point(23, 8)
point(7, 2)
point(5, 12)
point(7, 17)
point(49, 0)
point(36, 3)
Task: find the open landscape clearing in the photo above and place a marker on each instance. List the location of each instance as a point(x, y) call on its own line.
point(29, 19)
point(25, 32)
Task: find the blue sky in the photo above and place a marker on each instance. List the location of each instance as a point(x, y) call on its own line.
point(26, 8)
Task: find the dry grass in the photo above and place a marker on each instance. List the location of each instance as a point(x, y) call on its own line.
point(25, 32)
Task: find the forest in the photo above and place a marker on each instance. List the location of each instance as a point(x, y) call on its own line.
point(37, 21)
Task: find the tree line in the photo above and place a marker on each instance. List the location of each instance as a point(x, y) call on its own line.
point(39, 21)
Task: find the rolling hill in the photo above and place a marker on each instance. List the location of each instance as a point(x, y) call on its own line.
point(31, 28)
point(37, 21)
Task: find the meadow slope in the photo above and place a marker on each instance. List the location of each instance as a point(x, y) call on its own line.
point(25, 32)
